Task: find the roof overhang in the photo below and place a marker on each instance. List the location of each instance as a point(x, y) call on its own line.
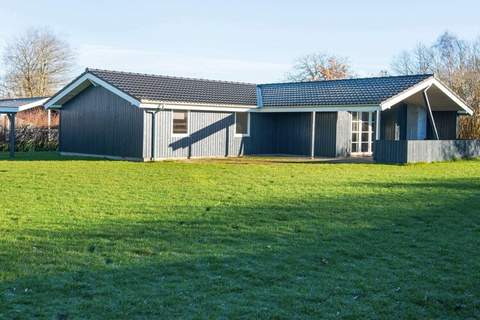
point(321, 108)
point(8, 109)
point(23, 107)
point(80, 84)
point(178, 105)
point(421, 86)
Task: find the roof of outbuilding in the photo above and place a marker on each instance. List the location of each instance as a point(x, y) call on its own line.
point(360, 91)
point(175, 89)
point(18, 102)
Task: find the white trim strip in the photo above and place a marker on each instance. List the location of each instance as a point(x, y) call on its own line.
point(192, 108)
point(32, 105)
point(95, 80)
point(24, 107)
point(360, 108)
point(8, 109)
point(147, 102)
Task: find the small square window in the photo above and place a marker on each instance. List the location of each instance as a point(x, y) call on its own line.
point(180, 122)
point(242, 123)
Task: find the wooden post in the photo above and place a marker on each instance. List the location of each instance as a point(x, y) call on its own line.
point(49, 123)
point(377, 125)
point(430, 113)
point(312, 155)
point(11, 145)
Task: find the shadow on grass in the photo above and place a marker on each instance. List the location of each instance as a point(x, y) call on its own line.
point(412, 254)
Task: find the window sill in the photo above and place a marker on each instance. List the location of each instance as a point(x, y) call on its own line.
point(239, 135)
point(179, 135)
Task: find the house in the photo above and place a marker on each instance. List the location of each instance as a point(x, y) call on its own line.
point(149, 117)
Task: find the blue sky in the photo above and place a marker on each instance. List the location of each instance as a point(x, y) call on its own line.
point(253, 41)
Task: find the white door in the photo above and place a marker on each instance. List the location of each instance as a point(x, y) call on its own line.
point(363, 133)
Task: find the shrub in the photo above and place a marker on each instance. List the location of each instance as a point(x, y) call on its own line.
point(29, 138)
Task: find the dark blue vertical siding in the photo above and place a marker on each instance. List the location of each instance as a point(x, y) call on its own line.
point(326, 134)
point(98, 122)
point(446, 122)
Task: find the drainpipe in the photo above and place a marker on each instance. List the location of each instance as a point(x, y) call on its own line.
point(430, 113)
point(154, 135)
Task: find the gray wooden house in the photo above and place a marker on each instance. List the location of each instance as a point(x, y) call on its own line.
point(148, 117)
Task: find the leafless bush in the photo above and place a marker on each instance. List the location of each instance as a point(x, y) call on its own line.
point(29, 138)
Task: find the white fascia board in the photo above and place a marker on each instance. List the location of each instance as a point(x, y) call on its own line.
point(352, 108)
point(150, 104)
point(390, 102)
point(32, 105)
point(96, 81)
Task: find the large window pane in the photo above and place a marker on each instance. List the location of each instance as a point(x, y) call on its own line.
point(241, 123)
point(180, 122)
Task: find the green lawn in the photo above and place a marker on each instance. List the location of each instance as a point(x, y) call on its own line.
point(247, 239)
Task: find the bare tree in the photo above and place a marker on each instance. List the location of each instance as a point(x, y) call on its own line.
point(419, 60)
point(320, 66)
point(454, 61)
point(36, 63)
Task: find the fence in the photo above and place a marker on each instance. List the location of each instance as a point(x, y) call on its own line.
point(411, 151)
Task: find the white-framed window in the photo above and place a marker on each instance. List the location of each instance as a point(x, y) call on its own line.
point(180, 120)
point(363, 132)
point(242, 124)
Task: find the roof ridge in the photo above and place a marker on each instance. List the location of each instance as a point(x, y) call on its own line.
point(169, 77)
point(426, 75)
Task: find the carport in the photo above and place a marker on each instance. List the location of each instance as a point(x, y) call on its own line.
point(11, 107)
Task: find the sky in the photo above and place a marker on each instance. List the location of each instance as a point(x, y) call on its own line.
point(249, 41)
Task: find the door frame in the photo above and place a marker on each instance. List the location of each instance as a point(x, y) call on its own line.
point(370, 132)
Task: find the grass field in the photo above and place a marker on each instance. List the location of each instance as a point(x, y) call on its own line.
point(244, 239)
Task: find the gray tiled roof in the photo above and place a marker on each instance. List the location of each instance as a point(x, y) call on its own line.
point(164, 88)
point(337, 92)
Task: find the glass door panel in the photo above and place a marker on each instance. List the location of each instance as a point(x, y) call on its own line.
point(363, 132)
